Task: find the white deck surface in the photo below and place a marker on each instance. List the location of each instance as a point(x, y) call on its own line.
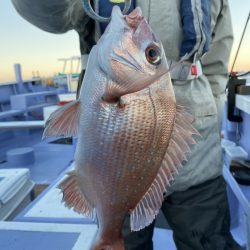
point(243, 103)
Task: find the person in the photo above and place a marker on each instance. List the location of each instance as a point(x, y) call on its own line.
point(195, 205)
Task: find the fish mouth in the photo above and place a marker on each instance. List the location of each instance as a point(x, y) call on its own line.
point(134, 18)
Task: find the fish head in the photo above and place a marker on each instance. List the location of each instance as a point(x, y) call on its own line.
point(130, 54)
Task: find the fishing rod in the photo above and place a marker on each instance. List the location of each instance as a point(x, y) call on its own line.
point(240, 43)
point(233, 83)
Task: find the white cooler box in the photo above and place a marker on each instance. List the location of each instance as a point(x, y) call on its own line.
point(15, 191)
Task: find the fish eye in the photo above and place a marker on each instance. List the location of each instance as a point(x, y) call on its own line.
point(153, 54)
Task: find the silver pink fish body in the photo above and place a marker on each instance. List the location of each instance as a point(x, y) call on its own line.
point(128, 120)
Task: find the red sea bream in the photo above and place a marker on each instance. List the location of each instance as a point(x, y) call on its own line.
point(132, 136)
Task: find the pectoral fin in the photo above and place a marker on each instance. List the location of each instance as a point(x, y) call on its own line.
point(64, 121)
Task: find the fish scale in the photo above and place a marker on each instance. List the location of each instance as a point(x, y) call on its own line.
point(124, 152)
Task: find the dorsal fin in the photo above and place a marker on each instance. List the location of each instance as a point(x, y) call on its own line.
point(179, 145)
point(73, 197)
point(64, 121)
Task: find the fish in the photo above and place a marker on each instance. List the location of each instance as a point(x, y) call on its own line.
point(132, 136)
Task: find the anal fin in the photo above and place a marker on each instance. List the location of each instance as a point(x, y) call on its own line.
point(73, 196)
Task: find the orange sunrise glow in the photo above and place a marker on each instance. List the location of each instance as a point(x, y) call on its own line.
point(38, 51)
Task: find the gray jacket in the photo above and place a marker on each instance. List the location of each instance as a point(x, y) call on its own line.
point(203, 97)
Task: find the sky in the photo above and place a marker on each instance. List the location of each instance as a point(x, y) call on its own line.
point(39, 51)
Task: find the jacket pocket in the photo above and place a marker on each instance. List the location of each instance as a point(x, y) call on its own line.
point(196, 96)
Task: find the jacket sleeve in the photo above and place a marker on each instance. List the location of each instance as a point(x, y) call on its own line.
point(215, 62)
point(53, 16)
point(58, 16)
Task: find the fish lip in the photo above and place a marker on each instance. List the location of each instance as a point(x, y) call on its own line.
point(134, 18)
